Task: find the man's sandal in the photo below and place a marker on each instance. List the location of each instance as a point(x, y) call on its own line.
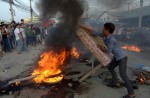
point(128, 96)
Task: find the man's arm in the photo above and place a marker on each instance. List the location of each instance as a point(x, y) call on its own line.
point(3, 32)
point(103, 49)
point(20, 36)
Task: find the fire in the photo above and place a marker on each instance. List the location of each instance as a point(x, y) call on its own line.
point(18, 83)
point(49, 67)
point(132, 48)
point(142, 79)
point(75, 53)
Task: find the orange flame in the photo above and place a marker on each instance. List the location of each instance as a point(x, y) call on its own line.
point(75, 53)
point(50, 65)
point(18, 83)
point(142, 79)
point(132, 48)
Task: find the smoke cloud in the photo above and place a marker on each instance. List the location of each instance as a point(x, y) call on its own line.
point(112, 3)
point(65, 32)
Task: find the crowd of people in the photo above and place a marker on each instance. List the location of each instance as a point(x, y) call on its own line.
point(19, 36)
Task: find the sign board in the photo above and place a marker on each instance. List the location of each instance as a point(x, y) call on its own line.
point(92, 45)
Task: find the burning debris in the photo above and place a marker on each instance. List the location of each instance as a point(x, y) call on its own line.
point(142, 79)
point(132, 48)
point(51, 64)
point(75, 53)
point(143, 75)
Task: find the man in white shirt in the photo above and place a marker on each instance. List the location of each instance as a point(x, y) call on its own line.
point(22, 31)
point(19, 38)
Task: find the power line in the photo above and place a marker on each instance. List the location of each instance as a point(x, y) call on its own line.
point(21, 6)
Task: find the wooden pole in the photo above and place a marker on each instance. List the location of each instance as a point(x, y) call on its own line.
point(11, 10)
point(31, 11)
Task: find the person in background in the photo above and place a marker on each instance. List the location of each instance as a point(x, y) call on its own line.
point(7, 47)
point(1, 40)
point(28, 32)
point(10, 31)
point(46, 31)
point(12, 35)
point(42, 32)
point(38, 35)
point(23, 23)
point(22, 31)
point(19, 38)
point(33, 36)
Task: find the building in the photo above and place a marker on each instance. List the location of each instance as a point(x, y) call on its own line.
point(26, 20)
point(132, 17)
point(35, 19)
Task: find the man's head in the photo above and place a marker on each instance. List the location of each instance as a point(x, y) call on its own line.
point(13, 23)
point(18, 26)
point(3, 26)
point(108, 29)
point(22, 20)
point(2, 23)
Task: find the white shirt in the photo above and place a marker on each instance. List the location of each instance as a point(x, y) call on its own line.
point(17, 31)
point(23, 32)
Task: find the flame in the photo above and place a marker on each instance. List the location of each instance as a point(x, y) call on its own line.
point(142, 79)
point(49, 66)
point(75, 53)
point(132, 48)
point(18, 83)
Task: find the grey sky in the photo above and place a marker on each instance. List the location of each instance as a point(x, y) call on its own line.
point(5, 12)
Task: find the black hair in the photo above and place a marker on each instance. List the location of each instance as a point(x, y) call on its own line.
point(2, 23)
point(22, 19)
point(110, 27)
point(17, 24)
point(13, 22)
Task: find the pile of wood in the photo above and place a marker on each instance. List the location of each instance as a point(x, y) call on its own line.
point(143, 76)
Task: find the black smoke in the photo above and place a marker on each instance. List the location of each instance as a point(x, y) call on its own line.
point(65, 32)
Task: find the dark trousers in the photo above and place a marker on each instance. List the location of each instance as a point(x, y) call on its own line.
point(122, 70)
point(28, 41)
point(11, 42)
point(33, 39)
point(7, 46)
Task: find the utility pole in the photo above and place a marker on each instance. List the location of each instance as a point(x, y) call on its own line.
point(31, 10)
point(11, 10)
point(128, 6)
point(140, 12)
